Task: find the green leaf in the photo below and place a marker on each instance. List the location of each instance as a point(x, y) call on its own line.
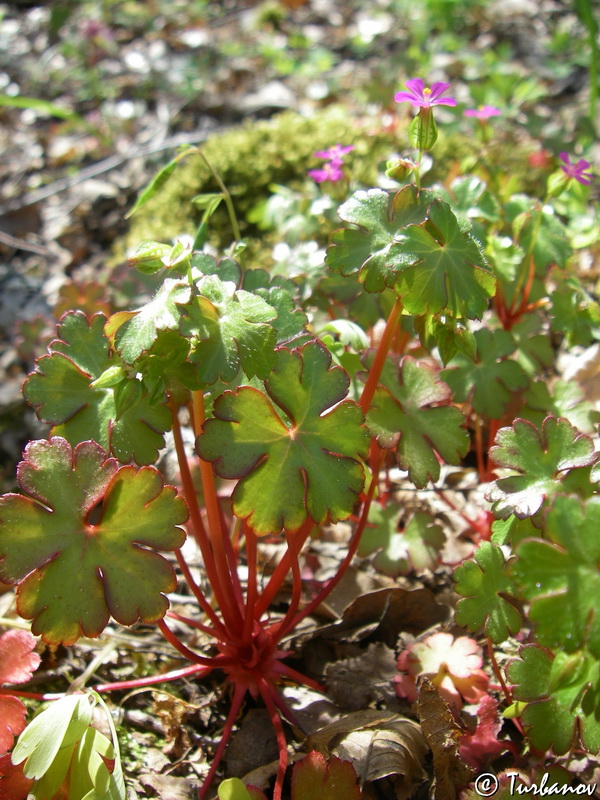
point(442, 269)
point(567, 399)
point(136, 335)
point(560, 577)
point(551, 245)
point(305, 465)
point(561, 698)
point(448, 334)
point(62, 392)
point(58, 726)
point(41, 106)
point(234, 789)
point(490, 382)
point(417, 547)
point(159, 180)
point(227, 269)
point(73, 573)
point(483, 582)
point(471, 203)
point(534, 351)
point(371, 251)
point(575, 313)
point(513, 530)
point(542, 458)
point(412, 413)
point(283, 295)
point(228, 330)
point(506, 256)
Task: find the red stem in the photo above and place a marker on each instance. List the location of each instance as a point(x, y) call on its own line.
point(236, 702)
point(194, 624)
point(283, 627)
point(481, 528)
point(331, 584)
point(174, 675)
point(380, 356)
point(502, 682)
point(479, 448)
point(298, 677)
point(266, 692)
point(222, 584)
point(189, 490)
point(279, 575)
point(199, 595)
point(251, 561)
point(8, 690)
point(185, 651)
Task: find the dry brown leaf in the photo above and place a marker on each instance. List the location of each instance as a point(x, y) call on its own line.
point(378, 744)
point(355, 683)
point(394, 611)
point(252, 745)
point(442, 734)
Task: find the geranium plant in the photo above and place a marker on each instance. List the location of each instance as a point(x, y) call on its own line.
point(305, 427)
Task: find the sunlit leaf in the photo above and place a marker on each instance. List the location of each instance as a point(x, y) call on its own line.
point(72, 573)
point(303, 465)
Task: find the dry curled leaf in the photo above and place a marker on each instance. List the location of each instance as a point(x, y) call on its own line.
point(443, 735)
point(378, 744)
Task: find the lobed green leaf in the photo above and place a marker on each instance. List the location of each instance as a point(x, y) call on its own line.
point(72, 573)
point(304, 465)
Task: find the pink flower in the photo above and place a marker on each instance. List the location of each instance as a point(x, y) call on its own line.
point(421, 96)
point(576, 171)
point(482, 113)
point(331, 171)
point(336, 152)
point(453, 665)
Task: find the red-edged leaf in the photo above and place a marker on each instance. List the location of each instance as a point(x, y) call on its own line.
point(314, 778)
point(291, 469)
point(73, 572)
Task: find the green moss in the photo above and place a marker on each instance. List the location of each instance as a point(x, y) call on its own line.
point(251, 157)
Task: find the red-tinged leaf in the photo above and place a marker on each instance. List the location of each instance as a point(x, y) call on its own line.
point(314, 778)
point(13, 784)
point(12, 720)
point(290, 470)
point(72, 572)
point(18, 662)
point(477, 748)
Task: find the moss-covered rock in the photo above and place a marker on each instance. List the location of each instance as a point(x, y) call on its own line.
point(252, 157)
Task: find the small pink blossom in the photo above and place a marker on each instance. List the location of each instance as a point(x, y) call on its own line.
point(453, 665)
point(483, 113)
point(421, 96)
point(335, 152)
point(576, 171)
point(330, 171)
